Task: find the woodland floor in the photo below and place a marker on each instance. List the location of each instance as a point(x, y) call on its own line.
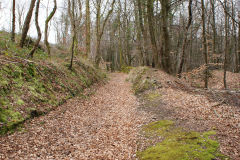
point(103, 126)
point(106, 124)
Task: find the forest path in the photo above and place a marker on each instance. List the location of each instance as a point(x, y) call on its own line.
point(104, 126)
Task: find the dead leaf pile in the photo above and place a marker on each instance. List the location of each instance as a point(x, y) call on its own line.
point(198, 109)
point(105, 126)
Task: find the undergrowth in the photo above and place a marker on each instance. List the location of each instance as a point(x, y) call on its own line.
point(30, 88)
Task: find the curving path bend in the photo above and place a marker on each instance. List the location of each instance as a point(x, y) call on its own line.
point(105, 126)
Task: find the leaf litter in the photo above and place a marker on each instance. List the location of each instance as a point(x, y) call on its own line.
point(103, 126)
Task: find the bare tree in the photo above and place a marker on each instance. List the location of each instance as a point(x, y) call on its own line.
point(204, 43)
point(71, 8)
point(20, 14)
point(13, 21)
point(141, 15)
point(100, 28)
point(226, 44)
point(238, 55)
point(165, 48)
point(27, 23)
point(46, 27)
point(155, 62)
point(143, 32)
point(38, 30)
point(88, 29)
point(186, 38)
point(234, 41)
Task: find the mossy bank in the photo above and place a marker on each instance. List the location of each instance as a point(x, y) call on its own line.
point(177, 144)
point(29, 88)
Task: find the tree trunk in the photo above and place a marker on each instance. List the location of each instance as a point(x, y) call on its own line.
point(66, 29)
point(155, 62)
point(186, 38)
point(27, 23)
point(213, 26)
point(20, 12)
point(46, 27)
point(13, 21)
point(226, 45)
point(234, 35)
point(38, 30)
point(141, 13)
point(121, 60)
point(166, 61)
point(73, 28)
point(204, 44)
point(238, 63)
point(88, 29)
point(139, 38)
point(100, 30)
point(98, 56)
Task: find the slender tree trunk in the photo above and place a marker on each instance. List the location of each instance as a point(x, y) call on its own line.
point(139, 38)
point(204, 43)
point(238, 63)
point(73, 28)
point(46, 27)
point(139, 2)
point(13, 21)
point(191, 48)
point(147, 56)
point(88, 29)
point(213, 25)
point(98, 56)
point(186, 38)
point(100, 30)
point(66, 28)
point(20, 12)
point(38, 30)
point(27, 23)
point(155, 62)
point(140, 30)
point(226, 45)
point(121, 60)
point(72, 52)
point(142, 23)
point(234, 34)
point(125, 33)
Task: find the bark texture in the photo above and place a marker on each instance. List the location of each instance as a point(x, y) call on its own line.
point(13, 21)
point(27, 23)
point(46, 27)
point(38, 30)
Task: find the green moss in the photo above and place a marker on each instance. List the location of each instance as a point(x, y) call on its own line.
point(17, 71)
point(136, 74)
point(152, 96)
point(142, 86)
point(126, 69)
point(10, 119)
point(140, 82)
point(158, 126)
point(20, 102)
point(3, 82)
point(84, 80)
point(180, 145)
point(45, 84)
point(31, 69)
point(4, 101)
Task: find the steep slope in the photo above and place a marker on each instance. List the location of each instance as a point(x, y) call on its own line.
point(30, 88)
